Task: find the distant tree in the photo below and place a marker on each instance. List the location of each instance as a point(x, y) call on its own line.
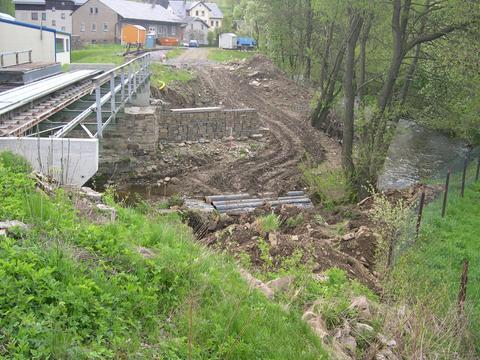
point(7, 7)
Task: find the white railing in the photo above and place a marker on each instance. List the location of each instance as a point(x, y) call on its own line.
point(125, 80)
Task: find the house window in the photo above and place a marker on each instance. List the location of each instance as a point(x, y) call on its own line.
point(44, 16)
point(94, 27)
point(196, 13)
point(105, 27)
point(91, 10)
point(216, 23)
point(54, 23)
point(63, 16)
point(173, 30)
point(212, 23)
point(82, 27)
point(203, 13)
point(67, 44)
point(96, 10)
point(63, 28)
point(34, 16)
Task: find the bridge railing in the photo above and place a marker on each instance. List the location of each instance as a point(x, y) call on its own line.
point(123, 81)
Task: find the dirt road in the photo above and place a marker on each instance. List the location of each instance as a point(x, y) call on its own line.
point(283, 108)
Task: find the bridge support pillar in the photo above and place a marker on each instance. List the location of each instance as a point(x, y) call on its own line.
point(142, 97)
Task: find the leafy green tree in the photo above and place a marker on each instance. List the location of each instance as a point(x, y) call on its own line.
point(7, 7)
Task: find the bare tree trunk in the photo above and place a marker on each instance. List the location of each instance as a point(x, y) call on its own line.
point(308, 65)
point(356, 22)
point(409, 75)
point(362, 78)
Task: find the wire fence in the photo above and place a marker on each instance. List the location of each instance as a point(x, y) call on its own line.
point(436, 196)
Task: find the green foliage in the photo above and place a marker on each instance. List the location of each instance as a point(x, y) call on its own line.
point(294, 221)
point(268, 223)
point(97, 54)
point(219, 55)
point(166, 74)
point(74, 289)
point(175, 200)
point(431, 270)
point(7, 7)
point(327, 186)
point(171, 54)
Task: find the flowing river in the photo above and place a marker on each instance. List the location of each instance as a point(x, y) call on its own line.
point(417, 154)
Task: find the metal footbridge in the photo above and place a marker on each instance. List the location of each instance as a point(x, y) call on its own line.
point(57, 123)
point(82, 99)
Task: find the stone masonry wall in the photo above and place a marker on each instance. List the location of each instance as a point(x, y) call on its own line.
point(214, 123)
point(143, 129)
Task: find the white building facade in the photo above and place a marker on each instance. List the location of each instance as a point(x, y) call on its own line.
point(56, 14)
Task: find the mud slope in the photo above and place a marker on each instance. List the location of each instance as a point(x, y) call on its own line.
point(283, 108)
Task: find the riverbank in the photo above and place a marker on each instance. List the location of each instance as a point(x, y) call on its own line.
point(428, 275)
point(138, 286)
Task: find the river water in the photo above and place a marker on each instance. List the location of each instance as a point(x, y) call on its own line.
point(417, 154)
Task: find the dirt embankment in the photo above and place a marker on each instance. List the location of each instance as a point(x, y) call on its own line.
point(271, 162)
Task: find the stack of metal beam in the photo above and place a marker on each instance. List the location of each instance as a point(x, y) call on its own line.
point(243, 203)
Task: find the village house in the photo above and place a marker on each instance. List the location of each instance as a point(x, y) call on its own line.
point(56, 14)
point(208, 12)
point(101, 21)
point(196, 29)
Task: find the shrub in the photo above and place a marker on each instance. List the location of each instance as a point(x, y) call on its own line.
point(267, 224)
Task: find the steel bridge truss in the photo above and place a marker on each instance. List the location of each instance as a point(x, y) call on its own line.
point(119, 85)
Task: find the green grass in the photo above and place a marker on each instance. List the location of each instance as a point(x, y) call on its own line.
point(168, 74)
point(219, 55)
point(171, 54)
point(109, 54)
point(430, 272)
point(74, 289)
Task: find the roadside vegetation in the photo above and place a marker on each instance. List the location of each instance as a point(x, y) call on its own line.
point(171, 54)
point(167, 74)
point(427, 277)
point(219, 55)
point(138, 287)
point(99, 54)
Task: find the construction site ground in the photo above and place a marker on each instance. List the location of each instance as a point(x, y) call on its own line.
point(342, 237)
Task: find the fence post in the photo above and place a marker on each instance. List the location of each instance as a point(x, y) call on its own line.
point(98, 101)
point(462, 295)
point(420, 212)
point(478, 169)
point(464, 176)
point(445, 196)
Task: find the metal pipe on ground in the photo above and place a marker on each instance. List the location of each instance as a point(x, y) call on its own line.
point(210, 199)
point(228, 202)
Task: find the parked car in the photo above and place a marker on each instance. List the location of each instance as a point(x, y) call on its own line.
point(193, 44)
point(185, 44)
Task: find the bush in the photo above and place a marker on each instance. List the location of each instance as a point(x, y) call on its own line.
point(327, 186)
point(267, 224)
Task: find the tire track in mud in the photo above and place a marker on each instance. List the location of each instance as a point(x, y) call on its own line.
point(276, 169)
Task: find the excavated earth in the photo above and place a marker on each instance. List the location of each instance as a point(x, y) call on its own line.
point(266, 164)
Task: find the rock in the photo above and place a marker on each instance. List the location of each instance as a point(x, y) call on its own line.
point(281, 284)
point(308, 315)
point(363, 231)
point(146, 253)
point(319, 327)
point(348, 237)
point(254, 74)
point(167, 179)
point(108, 210)
point(386, 354)
point(174, 181)
point(272, 238)
point(294, 237)
point(391, 344)
point(13, 229)
point(256, 284)
point(364, 328)
point(361, 305)
point(91, 194)
point(254, 83)
point(256, 136)
point(182, 144)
